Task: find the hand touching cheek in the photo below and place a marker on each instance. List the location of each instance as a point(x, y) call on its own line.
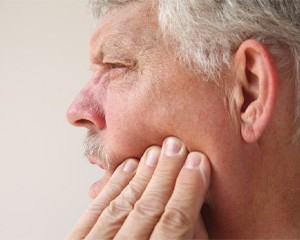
point(158, 198)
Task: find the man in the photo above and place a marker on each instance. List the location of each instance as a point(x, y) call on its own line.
point(193, 110)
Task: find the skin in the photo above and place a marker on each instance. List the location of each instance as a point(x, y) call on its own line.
point(148, 200)
point(140, 94)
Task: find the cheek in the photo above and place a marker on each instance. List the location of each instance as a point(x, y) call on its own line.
point(129, 127)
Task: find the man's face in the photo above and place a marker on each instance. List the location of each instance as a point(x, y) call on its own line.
point(140, 93)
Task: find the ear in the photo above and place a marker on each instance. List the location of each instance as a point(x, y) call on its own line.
point(257, 88)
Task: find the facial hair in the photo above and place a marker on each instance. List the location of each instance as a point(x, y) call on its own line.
point(94, 147)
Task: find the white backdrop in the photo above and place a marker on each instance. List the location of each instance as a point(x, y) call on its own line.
point(44, 178)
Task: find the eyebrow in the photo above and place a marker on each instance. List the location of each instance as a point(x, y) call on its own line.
point(117, 46)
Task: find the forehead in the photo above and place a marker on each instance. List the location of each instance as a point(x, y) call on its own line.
point(132, 26)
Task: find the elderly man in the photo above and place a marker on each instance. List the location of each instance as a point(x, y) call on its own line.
point(193, 110)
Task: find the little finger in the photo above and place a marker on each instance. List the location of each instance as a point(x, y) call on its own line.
point(183, 209)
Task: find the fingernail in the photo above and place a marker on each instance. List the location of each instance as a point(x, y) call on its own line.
point(172, 146)
point(193, 160)
point(152, 157)
point(130, 166)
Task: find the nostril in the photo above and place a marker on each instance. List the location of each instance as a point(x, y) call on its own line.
point(83, 123)
point(86, 115)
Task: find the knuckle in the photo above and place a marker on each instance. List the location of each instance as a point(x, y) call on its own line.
point(143, 177)
point(94, 208)
point(117, 185)
point(132, 192)
point(118, 208)
point(113, 189)
point(167, 174)
point(149, 207)
point(187, 187)
point(174, 219)
point(124, 203)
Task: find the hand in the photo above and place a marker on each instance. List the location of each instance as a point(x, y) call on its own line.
point(158, 198)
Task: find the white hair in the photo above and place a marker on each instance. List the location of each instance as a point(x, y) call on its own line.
point(209, 31)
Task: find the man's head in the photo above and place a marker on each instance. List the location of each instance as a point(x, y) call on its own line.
point(223, 76)
point(207, 33)
point(129, 104)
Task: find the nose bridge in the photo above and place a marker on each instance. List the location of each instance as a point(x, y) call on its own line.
point(87, 108)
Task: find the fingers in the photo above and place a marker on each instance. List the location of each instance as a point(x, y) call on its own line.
point(149, 208)
point(115, 214)
point(183, 209)
point(160, 197)
point(121, 177)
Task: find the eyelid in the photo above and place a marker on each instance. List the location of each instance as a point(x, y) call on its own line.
point(115, 70)
point(115, 65)
point(106, 66)
point(112, 69)
point(119, 62)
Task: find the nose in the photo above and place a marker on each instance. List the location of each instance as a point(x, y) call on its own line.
point(87, 111)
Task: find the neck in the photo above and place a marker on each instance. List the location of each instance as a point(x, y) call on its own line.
point(266, 202)
point(277, 195)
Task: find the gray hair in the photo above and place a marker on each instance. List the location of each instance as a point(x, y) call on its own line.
point(209, 31)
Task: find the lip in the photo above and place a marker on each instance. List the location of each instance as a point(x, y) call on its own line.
point(94, 160)
point(96, 187)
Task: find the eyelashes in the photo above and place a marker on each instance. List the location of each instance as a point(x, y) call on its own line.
point(115, 70)
point(110, 70)
point(115, 65)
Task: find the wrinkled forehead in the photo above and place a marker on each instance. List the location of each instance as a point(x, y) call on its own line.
point(134, 24)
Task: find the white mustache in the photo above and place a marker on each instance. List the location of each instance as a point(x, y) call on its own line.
point(94, 147)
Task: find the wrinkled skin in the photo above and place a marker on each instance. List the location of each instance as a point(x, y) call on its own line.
point(143, 203)
point(139, 95)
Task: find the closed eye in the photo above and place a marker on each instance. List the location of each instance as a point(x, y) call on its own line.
point(115, 65)
point(115, 70)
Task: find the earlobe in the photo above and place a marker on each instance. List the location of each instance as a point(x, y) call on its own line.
point(258, 88)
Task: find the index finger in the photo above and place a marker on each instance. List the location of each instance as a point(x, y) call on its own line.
point(120, 178)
